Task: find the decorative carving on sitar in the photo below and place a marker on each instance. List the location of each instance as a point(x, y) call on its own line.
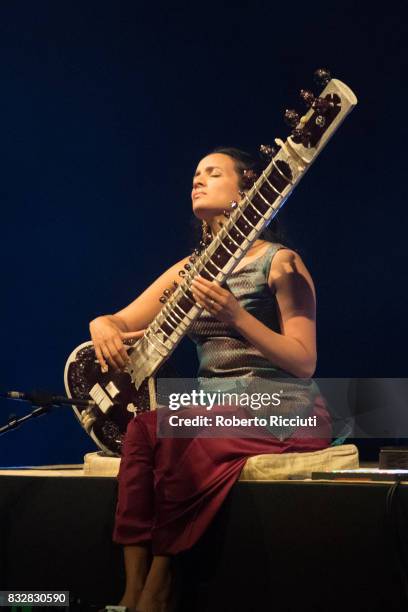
point(117, 399)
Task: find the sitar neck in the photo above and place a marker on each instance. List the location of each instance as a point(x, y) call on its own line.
point(243, 226)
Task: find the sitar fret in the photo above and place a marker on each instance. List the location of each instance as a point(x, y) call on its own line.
point(172, 316)
point(228, 235)
point(283, 175)
point(212, 263)
point(185, 314)
point(226, 248)
point(149, 340)
point(269, 184)
point(251, 203)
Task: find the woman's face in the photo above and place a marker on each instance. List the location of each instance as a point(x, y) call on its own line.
point(215, 185)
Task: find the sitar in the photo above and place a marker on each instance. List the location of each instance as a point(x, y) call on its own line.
point(120, 396)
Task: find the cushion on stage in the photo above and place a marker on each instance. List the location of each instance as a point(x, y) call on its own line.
point(292, 465)
point(99, 464)
point(260, 467)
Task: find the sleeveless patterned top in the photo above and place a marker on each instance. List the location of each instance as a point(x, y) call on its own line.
point(222, 351)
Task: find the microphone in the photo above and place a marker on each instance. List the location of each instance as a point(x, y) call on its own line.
point(43, 397)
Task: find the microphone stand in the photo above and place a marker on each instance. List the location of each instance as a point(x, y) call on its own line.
point(54, 402)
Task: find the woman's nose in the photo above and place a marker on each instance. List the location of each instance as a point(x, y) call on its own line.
point(198, 182)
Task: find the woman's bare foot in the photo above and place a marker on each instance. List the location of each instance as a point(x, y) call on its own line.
point(158, 589)
point(153, 602)
point(130, 601)
point(137, 563)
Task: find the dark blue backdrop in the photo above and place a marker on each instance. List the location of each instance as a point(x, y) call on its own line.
point(105, 110)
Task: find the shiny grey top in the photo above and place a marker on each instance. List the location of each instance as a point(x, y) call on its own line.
point(222, 351)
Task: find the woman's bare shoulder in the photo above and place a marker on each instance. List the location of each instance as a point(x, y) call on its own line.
point(287, 264)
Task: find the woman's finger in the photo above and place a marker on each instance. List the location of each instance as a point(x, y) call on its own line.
point(196, 291)
point(198, 296)
point(211, 289)
point(206, 283)
point(204, 280)
point(205, 292)
point(133, 334)
point(120, 347)
point(115, 355)
point(207, 302)
point(108, 355)
point(100, 358)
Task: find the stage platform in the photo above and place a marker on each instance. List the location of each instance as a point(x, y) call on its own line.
point(275, 545)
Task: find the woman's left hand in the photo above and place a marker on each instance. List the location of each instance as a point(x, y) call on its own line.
point(219, 302)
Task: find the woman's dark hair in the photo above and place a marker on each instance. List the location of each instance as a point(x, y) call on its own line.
point(246, 161)
point(243, 161)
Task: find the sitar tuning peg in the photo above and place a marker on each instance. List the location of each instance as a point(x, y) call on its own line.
point(248, 178)
point(292, 118)
point(233, 205)
point(296, 135)
point(322, 76)
point(321, 105)
point(307, 97)
point(301, 135)
point(267, 152)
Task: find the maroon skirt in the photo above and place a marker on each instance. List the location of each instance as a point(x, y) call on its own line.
point(170, 489)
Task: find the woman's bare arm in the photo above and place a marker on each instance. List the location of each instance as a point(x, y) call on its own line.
point(109, 331)
point(294, 348)
point(144, 308)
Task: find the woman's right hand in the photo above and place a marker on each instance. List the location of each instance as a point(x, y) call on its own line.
point(107, 338)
